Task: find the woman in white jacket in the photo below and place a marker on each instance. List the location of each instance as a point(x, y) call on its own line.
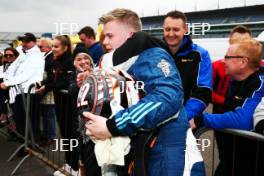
point(10, 54)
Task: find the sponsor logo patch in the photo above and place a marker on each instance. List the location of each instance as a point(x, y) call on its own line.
point(165, 67)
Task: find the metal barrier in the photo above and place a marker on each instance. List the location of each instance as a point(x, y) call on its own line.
point(28, 131)
point(9, 124)
point(46, 154)
point(210, 155)
point(66, 105)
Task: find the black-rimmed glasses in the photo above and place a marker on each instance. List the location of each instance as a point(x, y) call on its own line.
point(231, 57)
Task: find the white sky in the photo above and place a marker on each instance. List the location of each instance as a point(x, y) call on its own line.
point(40, 16)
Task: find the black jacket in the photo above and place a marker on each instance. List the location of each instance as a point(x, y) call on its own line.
point(194, 65)
point(63, 69)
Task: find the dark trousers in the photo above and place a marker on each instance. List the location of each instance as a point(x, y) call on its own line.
point(3, 97)
point(20, 114)
point(49, 120)
point(67, 119)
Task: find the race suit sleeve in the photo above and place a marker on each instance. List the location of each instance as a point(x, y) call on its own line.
point(163, 89)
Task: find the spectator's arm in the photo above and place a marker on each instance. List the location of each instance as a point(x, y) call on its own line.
point(201, 92)
point(240, 118)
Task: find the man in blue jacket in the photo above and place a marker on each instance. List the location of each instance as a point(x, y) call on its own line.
point(192, 61)
point(163, 97)
point(245, 91)
point(87, 36)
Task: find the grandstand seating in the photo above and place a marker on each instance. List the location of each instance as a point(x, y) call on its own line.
point(221, 21)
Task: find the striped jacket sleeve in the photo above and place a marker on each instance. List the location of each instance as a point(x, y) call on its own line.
point(241, 117)
point(164, 94)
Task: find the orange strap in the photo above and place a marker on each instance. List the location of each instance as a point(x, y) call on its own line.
point(153, 142)
point(131, 167)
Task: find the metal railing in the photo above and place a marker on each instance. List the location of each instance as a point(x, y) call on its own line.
point(210, 155)
point(46, 154)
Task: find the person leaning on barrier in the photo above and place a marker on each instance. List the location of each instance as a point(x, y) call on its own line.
point(221, 79)
point(62, 55)
point(48, 111)
point(10, 54)
point(61, 65)
point(243, 64)
point(27, 69)
point(163, 98)
point(192, 61)
point(244, 94)
point(82, 62)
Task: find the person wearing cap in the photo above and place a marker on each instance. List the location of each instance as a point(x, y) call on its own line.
point(27, 69)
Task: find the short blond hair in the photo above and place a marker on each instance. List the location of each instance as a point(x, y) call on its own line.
point(252, 49)
point(124, 16)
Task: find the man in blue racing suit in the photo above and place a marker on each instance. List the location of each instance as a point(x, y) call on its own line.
point(163, 98)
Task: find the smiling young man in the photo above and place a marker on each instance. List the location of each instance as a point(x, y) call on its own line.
point(192, 61)
point(145, 59)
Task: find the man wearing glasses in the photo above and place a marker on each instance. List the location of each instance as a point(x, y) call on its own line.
point(221, 79)
point(242, 62)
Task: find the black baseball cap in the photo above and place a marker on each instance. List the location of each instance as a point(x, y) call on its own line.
point(27, 37)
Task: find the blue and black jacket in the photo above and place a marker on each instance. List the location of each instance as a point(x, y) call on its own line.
point(241, 102)
point(194, 65)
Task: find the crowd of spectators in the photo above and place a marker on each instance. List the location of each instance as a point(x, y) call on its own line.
point(234, 85)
